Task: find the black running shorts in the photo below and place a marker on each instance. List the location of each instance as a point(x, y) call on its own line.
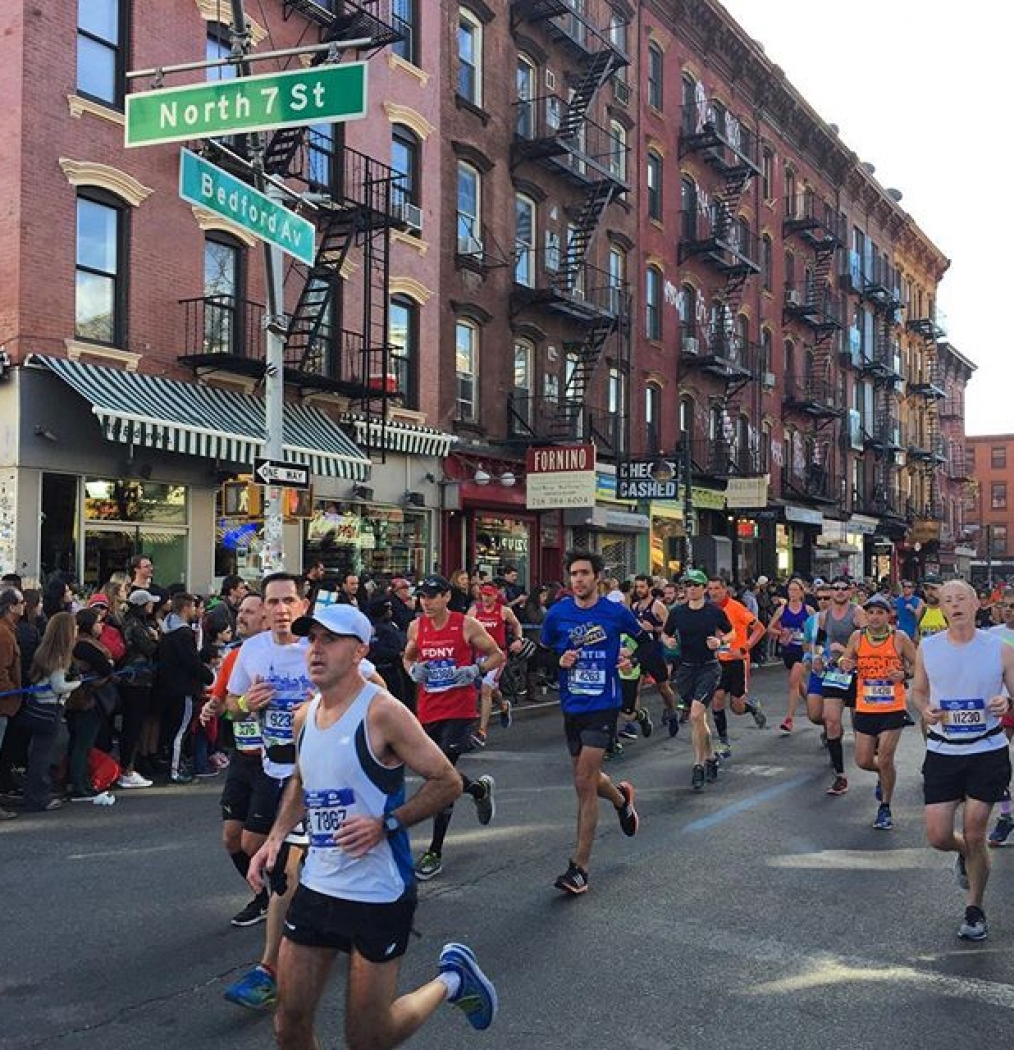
point(590, 729)
point(732, 679)
point(791, 656)
point(651, 657)
point(379, 932)
point(697, 682)
point(874, 724)
point(983, 776)
point(249, 795)
point(452, 735)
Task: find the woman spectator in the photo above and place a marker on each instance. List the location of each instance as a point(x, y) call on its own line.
point(116, 589)
point(51, 676)
point(460, 592)
point(534, 611)
point(57, 596)
point(140, 634)
point(84, 712)
point(30, 629)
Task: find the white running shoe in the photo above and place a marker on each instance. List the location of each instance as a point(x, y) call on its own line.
point(133, 780)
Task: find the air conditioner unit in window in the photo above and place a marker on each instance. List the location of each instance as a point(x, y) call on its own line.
point(689, 345)
point(469, 245)
point(792, 297)
point(410, 214)
point(621, 91)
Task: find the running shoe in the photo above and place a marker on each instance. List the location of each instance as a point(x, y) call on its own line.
point(960, 871)
point(506, 716)
point(428, 865)
point(629, 731)
point(82, 794)
point(907, 720)
point(884, 821)
point(672, 720)
point(476, 996)
point(786, 726)
point(697, 780)
point(760, 719)
point(485, 807)
point(974, 926)
point(684, 716)
point(838, 786)
point(181, 777)
point(256, 911)
point(999, 835)
point(626, 812)
point(256, 990)
point(574, 880)
point(645, 722)
point(711, 770)
point(723, 749)
point(878, 793)
point(614, 751)
point(133, 780)
point(478, 738)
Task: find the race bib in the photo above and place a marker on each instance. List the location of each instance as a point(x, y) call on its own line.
point(795, 638)
point(878, 691)
point(586, 678)
point(247, 734)
point(278, 721)
point(326, 812)
point(964, 717)
point(440, 675)
point(836, 677)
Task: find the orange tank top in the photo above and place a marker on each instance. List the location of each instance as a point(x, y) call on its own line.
point(876, 694)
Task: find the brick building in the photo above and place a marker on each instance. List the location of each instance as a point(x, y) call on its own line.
point(990, 504)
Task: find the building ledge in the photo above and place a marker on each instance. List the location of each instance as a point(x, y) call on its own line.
point(77, 349)
point(79, 105)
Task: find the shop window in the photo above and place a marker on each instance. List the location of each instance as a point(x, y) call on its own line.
point(378, 541)
point(502, 542)
point(100, 50)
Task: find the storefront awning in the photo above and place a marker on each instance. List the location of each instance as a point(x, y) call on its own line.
point(197, 420)
point(414, 439)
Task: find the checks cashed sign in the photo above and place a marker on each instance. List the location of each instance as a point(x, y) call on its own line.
point(560, 476)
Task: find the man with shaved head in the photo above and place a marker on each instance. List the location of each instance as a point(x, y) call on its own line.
point(960, 676)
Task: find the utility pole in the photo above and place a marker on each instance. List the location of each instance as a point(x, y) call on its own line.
point(688, 504)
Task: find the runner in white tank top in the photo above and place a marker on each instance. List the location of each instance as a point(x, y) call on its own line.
point(357, 890)
point(958, 689)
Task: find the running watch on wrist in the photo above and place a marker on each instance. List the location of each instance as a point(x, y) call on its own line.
point(392, 825)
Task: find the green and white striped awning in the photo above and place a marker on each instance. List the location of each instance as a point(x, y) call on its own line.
point(198, 420)
point(413, 439)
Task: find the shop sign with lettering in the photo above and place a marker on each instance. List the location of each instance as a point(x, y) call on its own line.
point(560, 476)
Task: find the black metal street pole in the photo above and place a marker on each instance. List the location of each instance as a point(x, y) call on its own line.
point(688, 505)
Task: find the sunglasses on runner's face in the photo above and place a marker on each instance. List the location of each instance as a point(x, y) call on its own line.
point(841, 587)
point(823, 597)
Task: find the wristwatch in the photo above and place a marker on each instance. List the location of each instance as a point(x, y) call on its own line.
point(392, 825)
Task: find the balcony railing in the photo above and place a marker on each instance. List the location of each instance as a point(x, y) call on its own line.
point(535, 418)
point(721, 239)
point(811, 481)
point(721, 458)
point(727, 145)
point(820, 312)
point(578, 289)
point(879, 501)
point(223, 326)
point(814, 395)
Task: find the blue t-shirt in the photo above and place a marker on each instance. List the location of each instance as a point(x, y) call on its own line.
point(905, 610)
point(593, 683)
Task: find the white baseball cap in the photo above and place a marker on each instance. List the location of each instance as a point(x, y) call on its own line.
point(338, 619)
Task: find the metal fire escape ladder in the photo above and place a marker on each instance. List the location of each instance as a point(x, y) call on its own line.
point(370, 20)
point(584, 227)
point(588, 353)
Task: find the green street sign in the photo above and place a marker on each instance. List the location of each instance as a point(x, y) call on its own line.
point(208, 186)
point(319, 95)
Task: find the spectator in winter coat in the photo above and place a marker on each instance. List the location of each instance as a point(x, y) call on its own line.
point(140, 635)
point(85, 714)
point(182, 676)
point(12, 603)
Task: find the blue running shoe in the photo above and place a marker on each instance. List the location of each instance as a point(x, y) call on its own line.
point(256, 990)
point(723, 748)
point(884, 821)
point(999, 835)
point(476, 997)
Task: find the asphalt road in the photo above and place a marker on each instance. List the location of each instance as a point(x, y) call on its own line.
point(758, 914)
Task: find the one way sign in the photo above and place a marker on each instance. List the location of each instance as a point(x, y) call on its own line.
point(291, 475)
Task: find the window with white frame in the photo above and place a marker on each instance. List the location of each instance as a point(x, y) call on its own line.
point(654, 176)
point(653, 303)
point(469, 57)
point(469, 205)
point(617, 151)
point(524, 240)
point(466, 366)
point(100, 272)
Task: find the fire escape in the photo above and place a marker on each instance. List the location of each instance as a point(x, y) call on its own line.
point(713, 234)
point(810, 305)
point(559, 134)
point(927, 386)
point(337, 332)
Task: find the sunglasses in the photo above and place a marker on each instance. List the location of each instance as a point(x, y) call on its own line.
point(823, 597)
point(691, 583)
point(841, 587)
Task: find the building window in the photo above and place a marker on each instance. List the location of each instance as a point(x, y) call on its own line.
point(100, 302)
point(767, 262)
point(653, 303)
point(405, 152)
point(655, 67)
point(688, 208)
point(765, 357)
point(469, 57)
point(654, 186)
point(466, 366)
point(618, 151)
point(617, 409)
point(320, 152)
point(652, 419)
point(998, 540)
point(767, 173)
point(222, 258)
point(521, 397)
point(403, 337)
point(790, 193)
point(524, 240)
point(617, 278)
point(404, 16)
point(690, 120)
point(526, 83)
point(998, 495)
point(998, 457)
point(100, 50)
point(469, 204)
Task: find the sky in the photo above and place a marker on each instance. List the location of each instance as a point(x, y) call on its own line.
point(923, 90)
